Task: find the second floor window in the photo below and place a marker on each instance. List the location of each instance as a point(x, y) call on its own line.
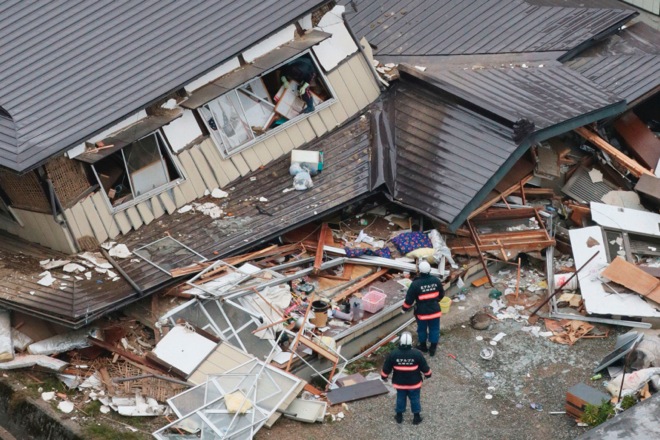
point(284, 94)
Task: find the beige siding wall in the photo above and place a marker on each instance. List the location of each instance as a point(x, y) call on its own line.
point(39, 228)
point(355, 88)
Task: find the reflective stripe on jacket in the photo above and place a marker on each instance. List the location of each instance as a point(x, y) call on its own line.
point(407, 367)
point(424, 293)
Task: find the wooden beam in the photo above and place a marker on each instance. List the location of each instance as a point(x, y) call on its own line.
point(475, 240)
point(630, 164)
point(319, 249)
point(360, 284)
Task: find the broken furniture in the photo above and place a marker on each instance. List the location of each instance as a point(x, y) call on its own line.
point(504, 233)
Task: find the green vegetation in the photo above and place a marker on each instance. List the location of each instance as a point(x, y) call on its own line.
point(628, 401)
point(102, 431)
point(594, 415)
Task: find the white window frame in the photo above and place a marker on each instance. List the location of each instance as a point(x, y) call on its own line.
point(226, 153)
point(148, 195)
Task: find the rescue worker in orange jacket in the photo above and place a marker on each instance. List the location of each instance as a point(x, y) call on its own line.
point(409, 368)
point(424, 293)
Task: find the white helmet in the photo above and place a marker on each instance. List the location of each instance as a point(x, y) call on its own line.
point(405, 340)
point(424, 267)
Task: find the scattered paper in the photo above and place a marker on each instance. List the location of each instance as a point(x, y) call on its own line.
point(219, 194)
point(120, 251)
point(50, 395)
point(65, 406)
point(184, 209)
point(595, 176)
point(47, 279)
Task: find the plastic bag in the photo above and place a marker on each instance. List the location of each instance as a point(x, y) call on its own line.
point(440, 248)
point(302, 181)
point(295, 168)
point(634, 381)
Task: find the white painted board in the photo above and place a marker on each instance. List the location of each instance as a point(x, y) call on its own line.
point(182, 131)
point(626, 219)
point(184, 349)
point(597, 299)
point(336, 48)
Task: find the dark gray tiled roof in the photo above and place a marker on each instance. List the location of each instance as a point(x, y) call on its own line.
point(628, 76)
point(71, 68)
point(70, 301)
point(453, 27)
point(445, 153)
point(547, 95)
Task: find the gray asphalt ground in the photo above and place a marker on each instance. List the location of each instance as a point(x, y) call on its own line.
point(527, 370)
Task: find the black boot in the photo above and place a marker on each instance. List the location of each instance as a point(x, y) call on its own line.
point(398, 417)
point(433, 348)
point(422, 347)
point(417, 419)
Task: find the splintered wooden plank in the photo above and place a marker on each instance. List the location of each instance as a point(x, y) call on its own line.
point(634, 278)
point(134, 217)
point(306, 130)
point(284, 140)
point(179, 197)
point(106, 216)
point(251, 158)
point(188, 191)
point(240, 164)
point(317, 124)
point(296, 136)
point(213, 158)
point(81, 220)
point(630, 164)
point(70, 218)
point(204, 168)
point(342, 94)
point(358, 391)
point(328, 118)
point(192, 173)
point(156, 207)
point(368, 82)
point(123, 222)
point(145, 212)
point(94, 220)
point(167, 202)
point(353, 78)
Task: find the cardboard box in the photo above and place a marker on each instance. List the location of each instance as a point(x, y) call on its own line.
point(315, 158)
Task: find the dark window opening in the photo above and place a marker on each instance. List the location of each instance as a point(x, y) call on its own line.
point(137, 169)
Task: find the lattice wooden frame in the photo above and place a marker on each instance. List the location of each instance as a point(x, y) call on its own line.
point(25, 191)
point(69, 179)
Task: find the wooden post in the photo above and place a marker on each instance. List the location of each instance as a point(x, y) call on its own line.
point(518, 279)
point(475, 240)
point(299, 334)
point(319, 249)
point(522, 193)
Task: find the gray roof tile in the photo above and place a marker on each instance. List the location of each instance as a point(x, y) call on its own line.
point(73, 68)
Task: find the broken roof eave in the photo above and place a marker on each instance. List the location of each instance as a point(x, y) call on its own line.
point(572, 53)
point(535, 137)
point(17, 167)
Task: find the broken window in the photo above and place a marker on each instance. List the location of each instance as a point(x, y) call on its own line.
point(167, 254)
point(140, 169)
point(283, 94)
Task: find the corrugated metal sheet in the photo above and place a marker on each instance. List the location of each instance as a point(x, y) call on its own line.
point(445, 153)
point(545, 95)
point(628, 76)
point(451, 27)
point(68, 301)
point(71, 68)
point(345, 176)
point(582, 189)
